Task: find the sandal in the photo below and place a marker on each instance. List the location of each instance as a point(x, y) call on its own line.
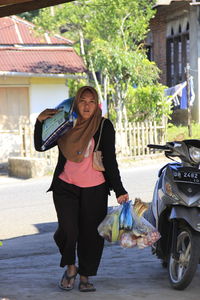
point(86, 287)
point(68, 278)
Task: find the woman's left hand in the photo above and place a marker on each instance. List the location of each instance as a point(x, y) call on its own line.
point(122, 198)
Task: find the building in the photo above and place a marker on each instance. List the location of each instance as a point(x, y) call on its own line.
point(33, 75)
point(174, 41)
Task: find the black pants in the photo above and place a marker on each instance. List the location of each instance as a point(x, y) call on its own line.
point(79, 212)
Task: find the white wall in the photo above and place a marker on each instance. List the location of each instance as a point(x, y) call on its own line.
point(44, 96)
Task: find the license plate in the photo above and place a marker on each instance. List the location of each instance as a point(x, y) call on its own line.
point(184, 176)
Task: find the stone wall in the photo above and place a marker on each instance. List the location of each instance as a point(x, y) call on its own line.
point(24, 167)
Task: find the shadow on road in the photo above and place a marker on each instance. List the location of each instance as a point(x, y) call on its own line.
point(46, 227)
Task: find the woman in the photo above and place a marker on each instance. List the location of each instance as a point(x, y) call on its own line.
point(80, 193)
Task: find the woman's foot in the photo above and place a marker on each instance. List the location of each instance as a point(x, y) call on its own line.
point(68, 278)
point(85, 285)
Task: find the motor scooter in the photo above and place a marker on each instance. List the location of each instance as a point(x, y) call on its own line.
point(175, 211)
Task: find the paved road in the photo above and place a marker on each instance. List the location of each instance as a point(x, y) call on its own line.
point(29, 264)
point(29, 270)
point(26, 208)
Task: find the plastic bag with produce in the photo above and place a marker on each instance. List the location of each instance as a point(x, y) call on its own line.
point(148, 239)
point(125, 218)
point(141, 226)
point(109, 227)
point(128, 240)
point(140, 207)
point(143, 234)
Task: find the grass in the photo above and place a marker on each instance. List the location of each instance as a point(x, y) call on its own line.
point(179, 133)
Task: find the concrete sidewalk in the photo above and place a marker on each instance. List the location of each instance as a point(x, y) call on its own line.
point(29, 269)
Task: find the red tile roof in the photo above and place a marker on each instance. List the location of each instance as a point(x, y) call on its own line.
point(21, 50)
point(15, 30)
point(41, 60)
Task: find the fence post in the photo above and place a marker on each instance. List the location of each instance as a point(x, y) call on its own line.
point(23, 139)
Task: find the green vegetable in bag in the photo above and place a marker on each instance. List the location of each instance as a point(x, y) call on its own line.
point(109, 227)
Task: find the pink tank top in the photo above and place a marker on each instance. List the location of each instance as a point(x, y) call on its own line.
point(82, 174)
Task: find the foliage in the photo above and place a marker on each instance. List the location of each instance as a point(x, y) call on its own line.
point(121, 64)
point(68, 19)
point(179, 133)
point(118, 52)
point(109, 34)
point(29, 15)
point(74, 85)
point(147, 102)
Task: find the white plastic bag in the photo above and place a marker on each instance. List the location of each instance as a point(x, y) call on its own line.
point(143, 234)
point(109, 227)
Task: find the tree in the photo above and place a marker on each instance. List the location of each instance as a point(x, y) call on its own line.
point(108, 34)
point(29, 15)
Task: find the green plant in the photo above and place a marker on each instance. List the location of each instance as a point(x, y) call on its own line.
point(178, 133)
point(74, 85)
point(147, 103)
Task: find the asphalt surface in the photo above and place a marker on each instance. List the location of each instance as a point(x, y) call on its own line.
point(29, 269)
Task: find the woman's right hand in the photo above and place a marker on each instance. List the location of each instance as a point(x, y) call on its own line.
point(47, 113)
point(123, 198)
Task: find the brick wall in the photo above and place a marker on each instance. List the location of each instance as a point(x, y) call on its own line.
point(158, 27)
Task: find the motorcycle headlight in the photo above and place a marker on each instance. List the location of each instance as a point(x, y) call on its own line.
point(195, 154)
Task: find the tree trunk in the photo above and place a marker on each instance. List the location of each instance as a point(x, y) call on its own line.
point(96, 81)
point(118, 102)
point(82, 48)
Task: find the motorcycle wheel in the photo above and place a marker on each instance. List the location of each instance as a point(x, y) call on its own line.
point(181, 270)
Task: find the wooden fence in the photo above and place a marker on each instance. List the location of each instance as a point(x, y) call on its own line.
point(26, 132)
point(131, 140)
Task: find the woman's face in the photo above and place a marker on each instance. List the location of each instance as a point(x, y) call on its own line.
point(86, 105)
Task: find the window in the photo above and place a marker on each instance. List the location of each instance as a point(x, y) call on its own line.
point(148, 46)
point(14, 107)
point(178, 47)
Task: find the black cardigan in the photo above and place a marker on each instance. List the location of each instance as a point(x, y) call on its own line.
point(107, 146)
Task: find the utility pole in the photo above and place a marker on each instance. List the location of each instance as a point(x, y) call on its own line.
point(189, 115)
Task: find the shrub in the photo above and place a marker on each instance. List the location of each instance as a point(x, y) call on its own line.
point(147, 103)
